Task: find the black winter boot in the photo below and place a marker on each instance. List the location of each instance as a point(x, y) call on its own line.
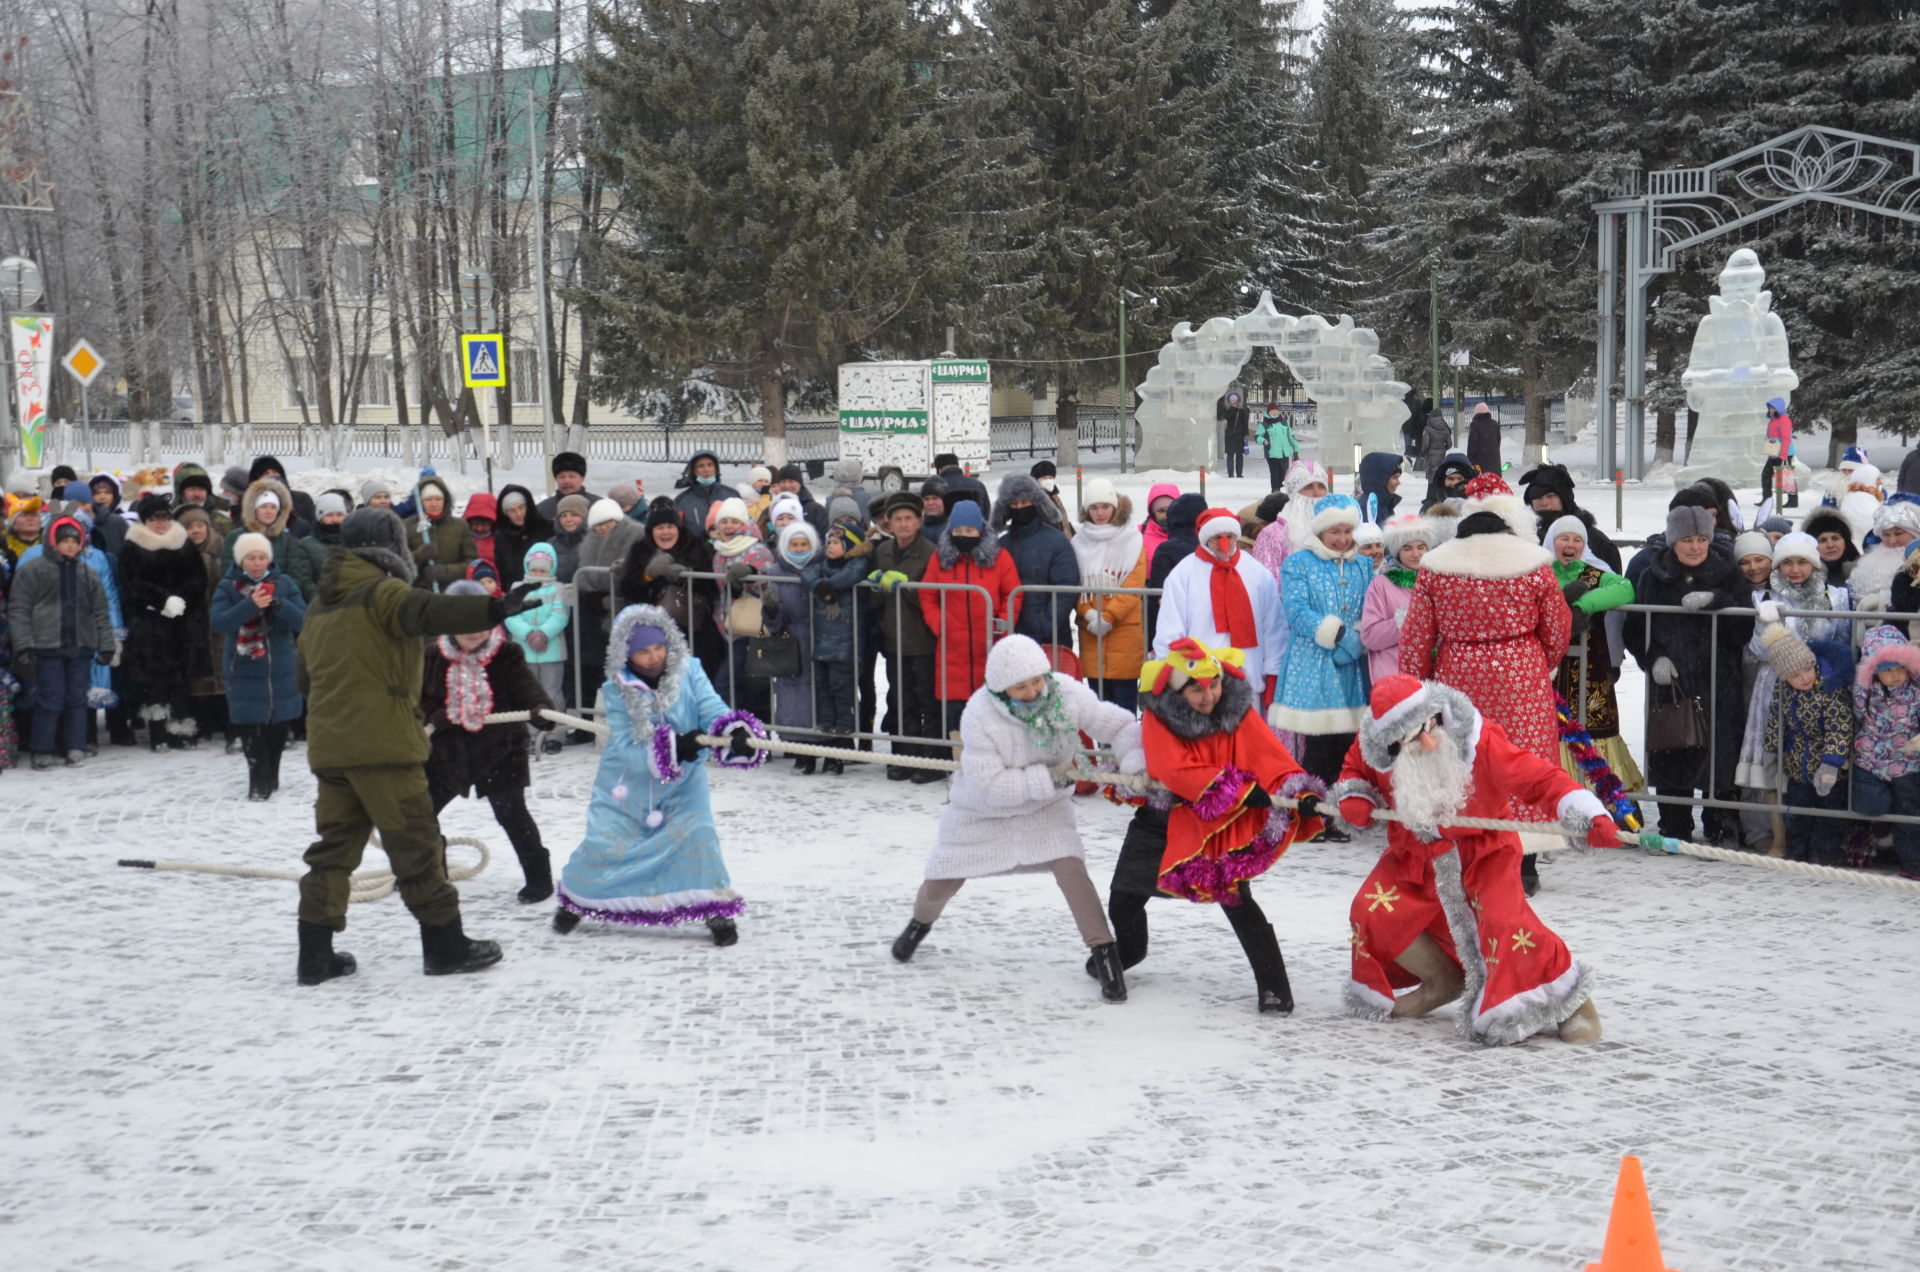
point(447, 949)
point(725, 931)
point(833, 768)
point(909, 940)
point(318, 962)
point(537, 866)
point(1262, 948)
point(565, 920)
point(1529, 874)
point(804, 765)
point(1104, 962)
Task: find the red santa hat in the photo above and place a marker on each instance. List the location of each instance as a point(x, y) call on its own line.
point(1489, 492)
point(1215, 522)
point(1401, 705)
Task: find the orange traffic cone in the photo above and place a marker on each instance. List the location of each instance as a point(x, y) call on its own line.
point(1632, 1244)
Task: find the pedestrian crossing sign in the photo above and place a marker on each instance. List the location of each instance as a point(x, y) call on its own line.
point(483, 361)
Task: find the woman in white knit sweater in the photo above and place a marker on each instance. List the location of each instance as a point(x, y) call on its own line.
point(1007, 814)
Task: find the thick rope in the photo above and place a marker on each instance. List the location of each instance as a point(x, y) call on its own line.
point(1079, 772)
point(368, 885)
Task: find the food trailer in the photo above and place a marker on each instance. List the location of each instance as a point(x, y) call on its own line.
point(896, 416)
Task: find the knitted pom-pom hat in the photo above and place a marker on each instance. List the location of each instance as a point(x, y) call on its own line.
point(1787, 653)
point(1014, 659)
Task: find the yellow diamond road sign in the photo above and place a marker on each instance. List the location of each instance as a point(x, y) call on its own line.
point(483, 361)
point(82, 363)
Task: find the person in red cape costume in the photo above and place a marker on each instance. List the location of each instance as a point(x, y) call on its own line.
point(1443, 912)
point(1215, 828)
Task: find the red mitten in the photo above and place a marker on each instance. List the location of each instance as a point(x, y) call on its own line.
point(1357, 812)
point(536, 640)
point(1602, 833)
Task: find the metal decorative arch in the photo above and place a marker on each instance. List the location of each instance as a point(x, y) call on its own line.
point(1358, 402)
point(1667, 212)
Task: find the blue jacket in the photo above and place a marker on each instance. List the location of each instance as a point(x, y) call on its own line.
point(1323, 680)
point(833, 620)
point(260, 690)
point(1376, 501)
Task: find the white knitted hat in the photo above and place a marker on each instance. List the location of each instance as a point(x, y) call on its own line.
point(1013, 659)
point(1799, 546)
point(735, 509)
point(785, 505)
point(1366, 532)
point(1099, 491)
point(1568, 524)
point(603, 511)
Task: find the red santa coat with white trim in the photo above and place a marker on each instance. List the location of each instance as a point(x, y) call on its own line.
point(1487, 618)
point(1463, 889)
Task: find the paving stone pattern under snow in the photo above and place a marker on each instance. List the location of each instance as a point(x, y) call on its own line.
point(621, 1099)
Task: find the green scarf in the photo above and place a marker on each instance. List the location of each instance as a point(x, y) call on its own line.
point(1045, 718)
point(1402, 577)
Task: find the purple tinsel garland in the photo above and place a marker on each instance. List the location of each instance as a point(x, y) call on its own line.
point(734, 719)
point(1217, 879)
point(666, 765)
point(698, 912)
point(1223, 795)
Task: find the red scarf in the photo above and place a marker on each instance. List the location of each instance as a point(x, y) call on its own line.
point(1232, 607)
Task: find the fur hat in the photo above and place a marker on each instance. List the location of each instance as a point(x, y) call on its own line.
point(602, 511)
point(234, 482)
point(153, 504)
point(1333, 510)
point(1399, 706)
point(898, 500)
point(1302, 473)
point(1567, 524)
point(1752, 543)
point(1366, 532)
point(1798, 546)
point(1787, 653)
point(379, 537)
point(328, 502)
point(1013, 659)
point(1402, 530)
point(1900, 512)
point(1443, 520)
point(251, 541)
point(569, 462)
point(265, 465)
point(624, 493)
point(1685, 522)
point(578, 505)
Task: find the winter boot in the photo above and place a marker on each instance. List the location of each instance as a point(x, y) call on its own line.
point(447, 949)
point(1583, 1026)
point(537, 866)
point(76, 758)
point(1332, 834)
point(318, 962)
point(43, 760)
point(833, 768)
point(1441, 981)
point(276, 746)
point(909, 940)
point(565, 920)
point(725, 931)
point(1104, 960)
point(1530, 873)
point(1262, 949)
point(551, 745)
point(804, 765)
point(899, 773)
point(926, 777)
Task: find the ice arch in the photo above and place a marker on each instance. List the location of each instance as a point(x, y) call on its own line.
point(1359, 402)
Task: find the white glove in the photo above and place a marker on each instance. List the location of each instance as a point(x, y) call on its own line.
point(174, 608)
point(1768, 610)
point(1664, 671)
point(1097, 623)
point(1135, 761)
point(1823, 781)
point(119, 647)
point(1697, 600)
point(1400, 618)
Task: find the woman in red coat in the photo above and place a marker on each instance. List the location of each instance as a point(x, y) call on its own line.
point(960, 619)
point(1487, 618)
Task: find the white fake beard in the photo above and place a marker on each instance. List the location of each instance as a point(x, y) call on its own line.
point(1431, 787)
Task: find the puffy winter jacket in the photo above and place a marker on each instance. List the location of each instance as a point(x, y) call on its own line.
point(262, 690)
point(963, 626)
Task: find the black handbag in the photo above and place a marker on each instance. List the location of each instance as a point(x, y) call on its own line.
point(1676, 724)
point(772, 657)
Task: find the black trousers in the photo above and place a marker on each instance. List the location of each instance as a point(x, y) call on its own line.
point(1236, 448)
point(510, 810)
point(1324, 754)
point(912, 706)
point(263, 745)
point(1277, 473)
point(1127, 911)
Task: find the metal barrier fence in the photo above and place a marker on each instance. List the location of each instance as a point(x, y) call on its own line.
point(868, 602)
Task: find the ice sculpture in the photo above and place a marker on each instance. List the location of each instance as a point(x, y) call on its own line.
point(1359, 401)
point(1739, 361)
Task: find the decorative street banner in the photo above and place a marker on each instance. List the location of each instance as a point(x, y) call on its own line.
point(32, 367)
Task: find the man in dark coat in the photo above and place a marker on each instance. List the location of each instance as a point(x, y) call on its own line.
point(899, 555)
point(1028, 523)
point(1233, 434)
point(1414, 428)
point(362, 656)
point(1447, 478)
point(569, 478)
point(1548, 490)
point(1483, 439)
point(163, 596)
point(962, 486)
point(700, 489)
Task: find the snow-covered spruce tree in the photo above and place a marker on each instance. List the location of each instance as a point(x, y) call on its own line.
point(1117, 190)
point(1359, 110)
point(1493, 202)
point(786, 193)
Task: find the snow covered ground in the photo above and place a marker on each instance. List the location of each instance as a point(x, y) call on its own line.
point(800, 1101)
